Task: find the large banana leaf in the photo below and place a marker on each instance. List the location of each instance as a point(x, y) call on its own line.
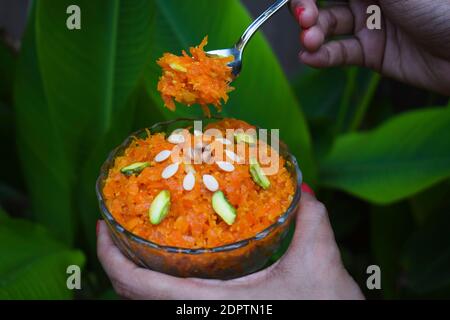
point(427, 203)
point(404, 156)
point(33, 265)
point(263, 95)
point(47, 169)
point(390, 227)
point(9, 156)
point(79, 84)
point(427, 255)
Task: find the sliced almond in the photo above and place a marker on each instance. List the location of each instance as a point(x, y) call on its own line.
point(208, 147)
point(199, 146)
point(176, 138)
point(210, 183)
point(170, 170)
point(189, 168)
point(197, 156)
point(189, 182)
point(206, 157)
point(224, 141)
point(225, 166)
point(188, 153)
point(233, 156)
point(163, 155)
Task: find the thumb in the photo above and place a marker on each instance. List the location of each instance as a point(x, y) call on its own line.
point(313, 237)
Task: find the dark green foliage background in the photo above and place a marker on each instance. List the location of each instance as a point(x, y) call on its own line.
point(381, 167)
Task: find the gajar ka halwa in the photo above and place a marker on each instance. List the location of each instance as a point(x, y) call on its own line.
point(197, 79)
point(207, 197)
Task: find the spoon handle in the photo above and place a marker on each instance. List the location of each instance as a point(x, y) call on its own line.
point(251, 30)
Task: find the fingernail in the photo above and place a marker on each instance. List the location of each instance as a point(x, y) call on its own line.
point(97, 227)
point(298, 12)
point(307, 189)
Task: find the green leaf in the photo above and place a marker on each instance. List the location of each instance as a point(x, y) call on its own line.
point(46, 167)
point(407, 154)
point(263, 95)
point(346, 213)
point(427, 255)
point(391, 227)
point(109, 294)
point(345, 103)
point(9, 159)
point(366, 100)
point(33, 264)
point(84, 83)
point(430, 201)
point(360, 88)
point(332, 99)
point(319, 91)
point(3, 215)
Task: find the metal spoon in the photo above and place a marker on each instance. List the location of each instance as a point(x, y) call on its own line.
point(239, 47)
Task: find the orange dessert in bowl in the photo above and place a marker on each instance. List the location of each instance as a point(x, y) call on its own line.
point(210, 203)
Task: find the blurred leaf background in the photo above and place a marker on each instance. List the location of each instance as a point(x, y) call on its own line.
point(377, 152)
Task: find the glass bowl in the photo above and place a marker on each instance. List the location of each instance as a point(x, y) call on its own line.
point(224, 262)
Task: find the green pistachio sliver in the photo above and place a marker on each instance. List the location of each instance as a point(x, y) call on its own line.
point(134, 168)
point(258, 175)
point(177, 67)
point(160, 207)
point(243, 137)
point(223, 208)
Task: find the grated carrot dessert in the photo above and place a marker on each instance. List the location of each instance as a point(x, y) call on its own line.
point(197, 79)
point(189, 217)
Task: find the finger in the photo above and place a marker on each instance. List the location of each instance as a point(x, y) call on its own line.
point(305, 11)
point(109, 255)
point(337, 20)
point(313, 238)
point(332, 21)
point(335, 53)
point(312, 223)
point(115, 263)
point(133, 282)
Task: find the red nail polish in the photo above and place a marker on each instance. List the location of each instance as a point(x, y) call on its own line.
point(307, 189)
point(97, 227)
point(298, 12)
